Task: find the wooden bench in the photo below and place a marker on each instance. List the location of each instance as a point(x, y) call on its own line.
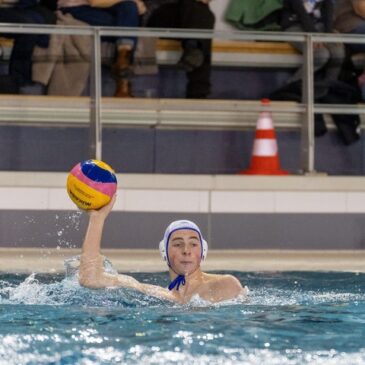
point(237, 54)
point(225, 53)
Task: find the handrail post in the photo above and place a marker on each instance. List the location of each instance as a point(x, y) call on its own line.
point(95, 99)
point(307, 133)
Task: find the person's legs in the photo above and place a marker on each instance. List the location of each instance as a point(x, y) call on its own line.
point(335, 62)
point(321, 55)
point(196, 58)
point(122, 14)
point(358, 48)
point(196, 15)
point(125, 15)
point(90, 15)
point(20, 65)
point(165, 16)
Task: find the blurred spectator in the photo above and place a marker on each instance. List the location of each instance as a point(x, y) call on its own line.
point(254, 15)
point(120, 13)
point(315, 16)
point(64, 66)
point(196, 57)
point(29, 12)
point(350, 18)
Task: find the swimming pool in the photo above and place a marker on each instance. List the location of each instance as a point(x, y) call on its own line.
point(290, 318)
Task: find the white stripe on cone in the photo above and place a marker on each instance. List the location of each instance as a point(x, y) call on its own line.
point(265, 147)
point(264, 121)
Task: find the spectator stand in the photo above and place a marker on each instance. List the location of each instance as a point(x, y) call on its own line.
point(304, 112)
point(235, 60)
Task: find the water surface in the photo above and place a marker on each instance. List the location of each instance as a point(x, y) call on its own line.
point(289, 318)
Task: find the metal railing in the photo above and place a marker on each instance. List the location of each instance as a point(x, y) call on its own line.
point(307, 107)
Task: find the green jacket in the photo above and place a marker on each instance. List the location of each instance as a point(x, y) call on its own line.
point(254, 14)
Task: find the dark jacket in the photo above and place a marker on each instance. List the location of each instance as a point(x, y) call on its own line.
point(293, 12)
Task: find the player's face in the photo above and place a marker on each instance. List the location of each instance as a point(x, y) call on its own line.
point(184, 250)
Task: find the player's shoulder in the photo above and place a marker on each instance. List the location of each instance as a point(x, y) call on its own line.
point(224, 287)
point(223, 280)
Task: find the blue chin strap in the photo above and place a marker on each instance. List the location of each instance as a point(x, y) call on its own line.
point(179, 280)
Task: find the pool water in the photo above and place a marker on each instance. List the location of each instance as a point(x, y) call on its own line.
point(289, 318)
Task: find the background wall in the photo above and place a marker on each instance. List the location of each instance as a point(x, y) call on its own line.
point(233, 211)
point(146, 150)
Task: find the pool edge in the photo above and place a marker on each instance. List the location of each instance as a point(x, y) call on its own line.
point(45, 260)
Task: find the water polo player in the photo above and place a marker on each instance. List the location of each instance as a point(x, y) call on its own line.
point(183, 248)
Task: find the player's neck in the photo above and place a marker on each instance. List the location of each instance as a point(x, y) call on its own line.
point(192, 282)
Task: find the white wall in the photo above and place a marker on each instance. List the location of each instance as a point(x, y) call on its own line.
point(195, 193)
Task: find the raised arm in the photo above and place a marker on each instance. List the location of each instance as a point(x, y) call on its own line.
point(91, 271)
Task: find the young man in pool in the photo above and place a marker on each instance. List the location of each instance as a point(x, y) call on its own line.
point(183, 247)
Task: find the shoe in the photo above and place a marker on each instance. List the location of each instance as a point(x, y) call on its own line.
point(123, 62)
point(124, 89)
point(191, 59)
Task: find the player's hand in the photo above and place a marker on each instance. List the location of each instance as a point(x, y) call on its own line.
point(104, 211)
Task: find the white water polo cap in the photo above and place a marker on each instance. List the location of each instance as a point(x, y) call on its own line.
point(177, 226)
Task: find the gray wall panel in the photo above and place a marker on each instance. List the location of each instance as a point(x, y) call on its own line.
point(130, 150)
point(144, 230)
point(23, 228)
point(228, 231)
point(145, 150)
point(207, 152)
point(332, 156)
point(288, 231)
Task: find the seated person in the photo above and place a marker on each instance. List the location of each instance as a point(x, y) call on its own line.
point(119, 13)
point(314, 16)
point(350, 18)
point(24, 12)
point(196, 58)
point(183, 247)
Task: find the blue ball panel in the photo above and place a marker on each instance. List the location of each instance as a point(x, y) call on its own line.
point(96, 173)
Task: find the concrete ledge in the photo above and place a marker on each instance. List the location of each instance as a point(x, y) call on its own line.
point(16, 260)
point(300, 183)
point(40, 110)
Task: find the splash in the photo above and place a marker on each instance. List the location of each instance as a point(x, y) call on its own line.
point(69, 222)
point(72, 265)
point(67, 291)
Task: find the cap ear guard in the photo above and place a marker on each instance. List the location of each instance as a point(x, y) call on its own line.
point(163, 250)
point(205, 249)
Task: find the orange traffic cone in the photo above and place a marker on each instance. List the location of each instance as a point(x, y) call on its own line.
point(265, 159)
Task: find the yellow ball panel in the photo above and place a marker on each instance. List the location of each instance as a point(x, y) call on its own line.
point(103, 165)
point(84, 196)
